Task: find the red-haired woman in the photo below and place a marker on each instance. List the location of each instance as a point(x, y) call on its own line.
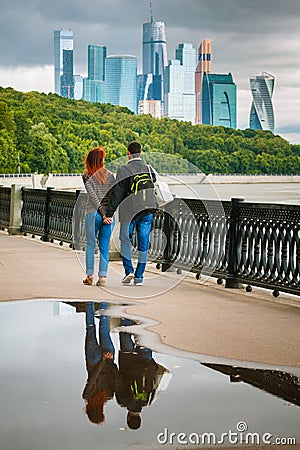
point(98, 181)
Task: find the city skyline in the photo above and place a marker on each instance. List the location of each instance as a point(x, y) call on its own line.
point(247, 39)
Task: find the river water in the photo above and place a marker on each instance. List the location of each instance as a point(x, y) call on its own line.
point(283, 193)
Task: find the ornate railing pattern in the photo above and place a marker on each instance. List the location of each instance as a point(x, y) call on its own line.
point(61, 208)
point(48, 213)
point(5, 206)
point(192, 235)
point(250, 243)
point(268, 250)
point(33, 211)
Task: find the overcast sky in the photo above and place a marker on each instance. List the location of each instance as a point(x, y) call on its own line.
point(248, 37)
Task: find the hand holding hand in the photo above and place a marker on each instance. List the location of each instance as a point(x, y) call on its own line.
point(107, 220)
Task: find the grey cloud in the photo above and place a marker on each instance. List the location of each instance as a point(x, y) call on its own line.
point(248, 36)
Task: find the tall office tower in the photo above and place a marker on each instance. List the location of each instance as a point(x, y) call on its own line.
point(78, 87)
point(96, 62)
point(204, 66)
point(149, 87)
point(262, 112)
point(67, 78)
point(121, 81)
point(152, 107)
point(219, 100)
point(63, 40)
point(174, 88)
point(186, 54)
point(155, 58)
point(94, 91)
point(94, 84)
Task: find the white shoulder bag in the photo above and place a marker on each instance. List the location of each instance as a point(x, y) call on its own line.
point(161, 189)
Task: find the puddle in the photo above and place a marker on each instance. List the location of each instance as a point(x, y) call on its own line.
point(51, 370)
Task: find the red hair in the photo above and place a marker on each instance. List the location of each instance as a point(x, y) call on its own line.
point(94, 162)
point(94, 407)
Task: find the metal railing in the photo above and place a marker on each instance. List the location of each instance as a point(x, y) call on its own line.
point(5, 206)
point(48, 213)
point(250, 243)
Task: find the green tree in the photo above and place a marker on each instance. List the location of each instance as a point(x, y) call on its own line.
point(8, 153)
point(46, 156)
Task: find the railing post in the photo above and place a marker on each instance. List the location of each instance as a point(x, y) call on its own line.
point(45, 236)
point(114, 246)
point(15, 219)
point(167, 250)
point(231, 281)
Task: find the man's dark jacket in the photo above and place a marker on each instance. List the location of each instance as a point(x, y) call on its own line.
point(121, 196)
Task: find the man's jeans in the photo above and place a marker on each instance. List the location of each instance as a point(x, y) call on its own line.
point(127, 344)
point(94, 225)
point(143, 228)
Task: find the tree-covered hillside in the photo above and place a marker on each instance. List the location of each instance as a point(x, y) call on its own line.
point(53, 134)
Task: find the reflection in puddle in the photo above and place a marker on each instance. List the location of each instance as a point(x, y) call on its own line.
point(78, 375)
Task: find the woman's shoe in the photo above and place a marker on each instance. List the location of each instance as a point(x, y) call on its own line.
point(101, 282)
point(88, 281)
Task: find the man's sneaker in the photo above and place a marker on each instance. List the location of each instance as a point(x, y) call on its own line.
point(138, 283)
point(127, 279)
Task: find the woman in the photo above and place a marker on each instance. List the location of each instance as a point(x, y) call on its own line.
point(102, 371)
point(98, 181)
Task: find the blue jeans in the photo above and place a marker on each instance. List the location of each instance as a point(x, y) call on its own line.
point(93, 348)
point(94, 226)
point(143, 228)
point(127, 344)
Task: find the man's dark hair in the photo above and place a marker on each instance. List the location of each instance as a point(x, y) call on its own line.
point(134, 147)
point(133, 421)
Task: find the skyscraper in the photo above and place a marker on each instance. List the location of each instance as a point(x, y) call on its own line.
point(152, 107)
point(63, 40)
point(94, 84)
point(262, 112)
point(149, 87)
point(67, 79)
point(186, 54)
point(96, 62)
point(204, 66)
point(78, 87)
point(155, 49)
point(174, 88)
point(121, 81)
point(219, 100)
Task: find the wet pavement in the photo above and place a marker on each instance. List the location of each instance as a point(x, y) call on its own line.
point(193, 316)
point(71, 372)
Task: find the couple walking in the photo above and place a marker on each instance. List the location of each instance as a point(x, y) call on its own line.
point(133, 382)
point(132, 192)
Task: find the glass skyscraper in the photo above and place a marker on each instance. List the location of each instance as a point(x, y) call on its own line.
point(63, 40)
point(94, 84)
point(219, 100)
point(121, 81)
point(96, 62)
point(155, 58)
point(262, 112)
point(94, 91)
point(67, 78)
point(186, 54)
point(174, 88)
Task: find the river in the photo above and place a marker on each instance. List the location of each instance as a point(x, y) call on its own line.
point(283, 193)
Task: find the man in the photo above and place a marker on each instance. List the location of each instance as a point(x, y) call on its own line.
point(133, 191)
point(139, 377)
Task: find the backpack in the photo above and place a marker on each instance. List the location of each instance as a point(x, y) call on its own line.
point(141, 192)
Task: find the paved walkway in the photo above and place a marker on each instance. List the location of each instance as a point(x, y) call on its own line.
point(203, 318)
